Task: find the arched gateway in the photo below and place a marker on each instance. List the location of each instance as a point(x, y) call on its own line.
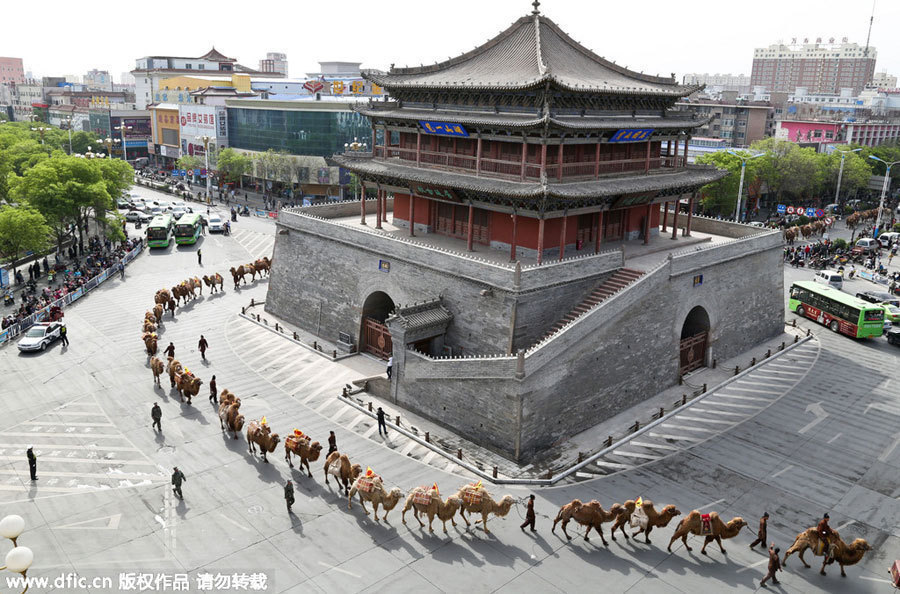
point(694, 340)
point(375, 337)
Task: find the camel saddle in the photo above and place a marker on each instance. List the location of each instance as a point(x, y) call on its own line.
point(366, 484)
point(895, 573)
point(472, 496)
point(298, 440)
point(705, 525)
point(639, 518)
point(422, 497)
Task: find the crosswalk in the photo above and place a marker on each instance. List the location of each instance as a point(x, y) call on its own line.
point(715, 413)
point(257, 244)
point(315, 382)
point(78, 449)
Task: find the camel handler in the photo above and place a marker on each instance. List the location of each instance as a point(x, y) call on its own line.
point(170, 350)
point(289, 494)
point(177, 479)
point(529, 515)
point(156, 415)
point(761, 535)
point(213, 392)
point(774, 565)
point(332, 444)
point(202, 346)
point(825, 535)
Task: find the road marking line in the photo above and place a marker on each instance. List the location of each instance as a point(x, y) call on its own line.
point(636, 455)
point(244, 356)
point(79, 434)
point(338, 569)
point(676, 437)
point(85, 460)
point(275, 362)
point(65, 424)
point(408, 448)
point(872, 579)
point(370, 431)
point(782, 471)
point(778, 391)
point(784, 372)
point(742, 397)
point(710, 504)
point(834, 438)
point(752, 565)
point(260, 356)
point(719, 412)
point(687, 428)
point(428, 457)
point(234, 523)
point(356, 420)
point(340, 413)
point(281, 383)
point(43, 447)
point(601, 463)
point(710, 401)
point(101, 475)
point(324, 405)
point(325, 370)
point(451, 467)
point(655, 446)
point(703, 420)
point(81, 489)
point(111, 524)
point(844, 525)
point(756, 381)
point(72, 414)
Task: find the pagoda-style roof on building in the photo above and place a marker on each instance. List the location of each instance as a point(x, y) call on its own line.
point(531, 52)
point(422, 320)
point(214, 55)
point(525, 120)
point(674, 181)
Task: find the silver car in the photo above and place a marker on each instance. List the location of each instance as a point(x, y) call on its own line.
point(39, 336)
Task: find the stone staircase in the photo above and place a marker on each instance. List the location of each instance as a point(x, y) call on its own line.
point(620, 279)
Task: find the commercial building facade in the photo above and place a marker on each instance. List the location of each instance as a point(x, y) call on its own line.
point(818, 67)
point(11, 70)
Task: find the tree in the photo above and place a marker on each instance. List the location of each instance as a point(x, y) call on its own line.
point(857, 172)
point(232, 165)
point(82, 140)
point(721, 196)
point(22, 230)
point(189, 162)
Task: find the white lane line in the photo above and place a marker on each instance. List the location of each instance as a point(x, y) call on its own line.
point(324, 405)
point(323, 371)
point(245, 354)
point(234, 523)
point(370, 431)
point(742, 397)
point(605, 463)
point(356, 420)
point(703, 420)
point(277, 361)
point(688, 428)
point(428, 457)
point(844, 525)
point(80, 489)
point(261, 355)
point(786, 367)
point(752, 565)
point(756, 381)
point(655, 446)
point(338, 569)
point(733, 387)
point(451, 467)
point(103, 475)
point(408, 448)
point(65, 424)
point(636, 455)
point(834, 438)
point(872, 579)
point(783, 371)
point(782, 471)
point(719, 412)
point(710, 401)
point(675, 437)
point(44, 447)
point(64, 413)
point(84, 460)
point(712, 503)
point(341, 413)
point(281, 383)
point(61, 434)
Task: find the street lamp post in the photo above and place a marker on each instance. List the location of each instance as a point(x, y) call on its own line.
point(206, 140)
point(69, 122)
point(744, 159)
point(109, 142)
point(884, 187)
point(40, 129)
point(122, 128)
point(837, 190)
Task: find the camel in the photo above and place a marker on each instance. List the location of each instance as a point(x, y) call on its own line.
point(194, 283)
point(692, 524)
point(262, 265)
point(148, 327)
point(158, 310)
point(301, 447)
point(589, 514)
point(174, 368)
point(656, 519)
point(150, 339)
point(238, 275)
point(188, 385)
point(213, 280)
point(251, 270)
point(259, 433)
point(157, 367)
point(338, 466)
point(806, 230)
point(178, 293)
point(843, 553)
point(376, 495)
point(789, 236)
point(475, 499)
point(149, 316)
point(229, 413)
point(424, 500)
point(162, 296)
point(624, 517)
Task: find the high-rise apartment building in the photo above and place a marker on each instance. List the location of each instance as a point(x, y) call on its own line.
point(883, 80)
point(727, 82)
point(11, 70)
point(819, 67)
point(274, 62)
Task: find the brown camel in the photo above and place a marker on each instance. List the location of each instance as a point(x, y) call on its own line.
point(251, 270)
point(717, 530)
point(425, 500)
point(238, 275)
point(300, 446)
point(338, 466)
point(188, 385)
point(589, 514)
point(158, 310)
point(162, 296)
point(622, 520)
point(229, 413)
point(149, 327)
point(262, 265)
point(843, 553)
point(372, 490)
point(789, 235)
point(213, 280)
point(656, 519)
point(173, 368)
point(194, 283)
point(178, 293)
point(149, 316)
point(150, 339)
point(259, 434)
point(475, 499)
point(157, 367)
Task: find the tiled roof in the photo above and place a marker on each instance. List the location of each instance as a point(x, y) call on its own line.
point(530, 52)
point(531, 120)
point(419, 316)
point(690, 177)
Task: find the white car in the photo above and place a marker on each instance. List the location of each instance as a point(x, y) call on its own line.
point(216, 224)
point(178, 212)
point(39, 336)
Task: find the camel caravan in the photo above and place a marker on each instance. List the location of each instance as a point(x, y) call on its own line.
point(260, 267)
point(814, 229)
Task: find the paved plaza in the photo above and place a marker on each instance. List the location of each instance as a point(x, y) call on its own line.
point(812, 431)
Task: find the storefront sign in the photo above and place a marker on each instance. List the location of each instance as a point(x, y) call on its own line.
point(435, 192)
point(170, 151)
point(632, 135)
point(313, 86)
point(443, 128)
point(197, 120)
point(221, 126)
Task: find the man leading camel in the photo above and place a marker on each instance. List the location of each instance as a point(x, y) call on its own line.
point(203, 345)
point(761, 535)
point(170, 350)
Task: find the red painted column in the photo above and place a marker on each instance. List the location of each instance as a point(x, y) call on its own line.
point(599, 239)
point(647, 159)
point(562, 238)
point(544, 158)
point(647, 224)
point(524, 157)
point(540, 247)
point(675, 222)
point(378, 209)
point(597, 160)
point(559, 161)
point(665, 215)
point(512, 247)
point(469, 228)
point(362, 207)
point(478, 157)
point(384, 205)
point(418, 147)
point(412, 216)
point(690, 215)
point(675, 160)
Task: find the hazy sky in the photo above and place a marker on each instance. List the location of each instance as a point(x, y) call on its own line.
point(655, 36)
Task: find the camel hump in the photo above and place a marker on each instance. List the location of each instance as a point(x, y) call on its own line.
point(576, 503)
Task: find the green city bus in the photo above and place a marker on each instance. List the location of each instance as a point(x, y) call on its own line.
point(187, 228)
point(839, 311)
point(160, 230)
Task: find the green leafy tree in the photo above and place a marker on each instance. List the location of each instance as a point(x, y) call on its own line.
point(232, 165)
point(22, 230)
point(189, 162)
point(721, 196)
point(856, 172)
point(82, 140)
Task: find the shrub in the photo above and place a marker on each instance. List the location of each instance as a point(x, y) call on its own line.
point(840, 244)
point(802, 220)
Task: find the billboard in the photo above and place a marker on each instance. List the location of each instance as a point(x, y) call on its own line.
point(197, 120)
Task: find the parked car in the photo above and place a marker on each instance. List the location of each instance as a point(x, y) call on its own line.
point(178, 212)
point(893, 336)
point(123, 204)
point(216, 224)
point(867, 246)
point(133, 216)
point(39, 336)
point(879, 297)
point(831, 279)
point(888, 238)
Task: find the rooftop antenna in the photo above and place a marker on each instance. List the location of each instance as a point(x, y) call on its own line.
point(869, 35)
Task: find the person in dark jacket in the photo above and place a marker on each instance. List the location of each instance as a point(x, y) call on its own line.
point(332, 444)
point(170, 350)
point(774, 565)
point(156, 415)
point(32, 463)
point(213, 391)
point(761, 535)
point(202, 345)
point(529, 515)
point(289, 494)
point(381, 423)
point(177, 479)
point(64, 335)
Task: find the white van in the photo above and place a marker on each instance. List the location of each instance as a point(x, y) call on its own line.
point(831, 279)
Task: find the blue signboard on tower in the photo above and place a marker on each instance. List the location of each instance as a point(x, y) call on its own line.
point(632, 135)
point(443, 128)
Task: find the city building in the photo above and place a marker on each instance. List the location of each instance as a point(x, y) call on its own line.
point(165, 145)
point(880, 80)
point(739, 123)
point(218, 95)
point(70, 116)
point(519, 260)
point(150, 70)
point(11, 70)
point(178, 89)
point(725, 82)
point(828, 129)
point(27, 97)
point(98, 80)
point(107, 122)
point(274, 62)
point(818, 67)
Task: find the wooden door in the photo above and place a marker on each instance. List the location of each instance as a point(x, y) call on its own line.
point(377, 339)
point(613, 225)
point(585, 230)
point(693, 352)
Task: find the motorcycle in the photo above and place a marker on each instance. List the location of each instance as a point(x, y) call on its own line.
point(8, 298)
